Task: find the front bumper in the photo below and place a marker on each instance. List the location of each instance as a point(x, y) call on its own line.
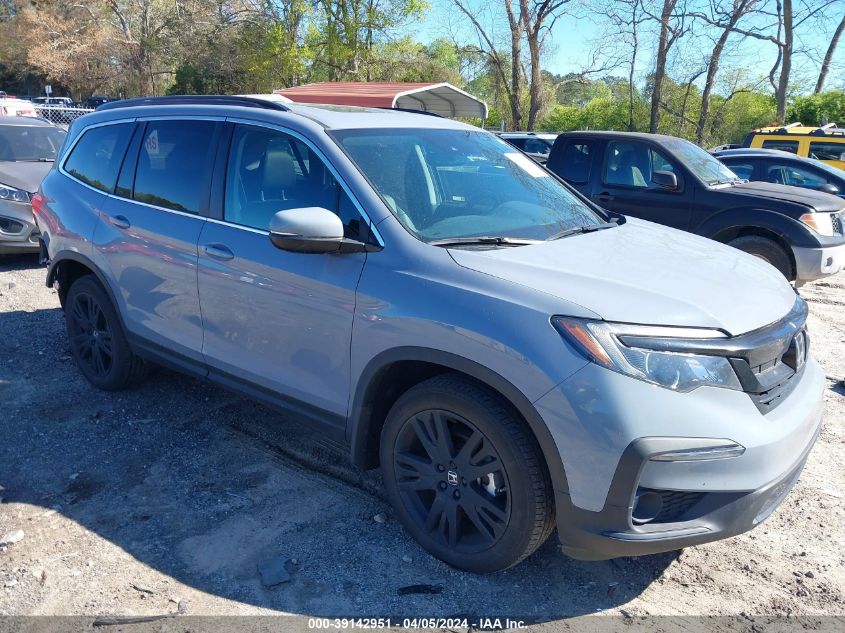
point(815, 263)
point(21, 234)
point(607, 427)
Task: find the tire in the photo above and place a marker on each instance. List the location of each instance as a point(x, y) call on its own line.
point(97, 341)
point(768, 250)
point(482, 501)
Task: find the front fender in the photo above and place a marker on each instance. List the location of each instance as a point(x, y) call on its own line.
point(792, 231)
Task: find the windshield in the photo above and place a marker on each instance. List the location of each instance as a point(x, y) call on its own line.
point(29, 143)
point(444, 184)
point(701, 163)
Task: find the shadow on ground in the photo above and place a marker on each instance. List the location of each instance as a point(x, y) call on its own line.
point(201, 486)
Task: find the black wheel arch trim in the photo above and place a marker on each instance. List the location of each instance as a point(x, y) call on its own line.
point(789, 229)
point(79, 258)
point(360, 422)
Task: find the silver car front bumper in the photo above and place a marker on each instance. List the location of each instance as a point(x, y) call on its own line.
point(18, 233)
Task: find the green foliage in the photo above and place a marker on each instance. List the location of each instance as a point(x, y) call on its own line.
point(825, 107)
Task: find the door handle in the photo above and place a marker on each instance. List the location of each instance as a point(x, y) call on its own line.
point(120, 221)
point(218, 251)
point(604, 197)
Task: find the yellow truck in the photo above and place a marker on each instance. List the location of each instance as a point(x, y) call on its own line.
point(825, 143)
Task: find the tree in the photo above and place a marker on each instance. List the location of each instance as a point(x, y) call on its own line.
point(728, 17)
point(671, 27)
point(831, 49)
point(529, 22)
point(819, 108)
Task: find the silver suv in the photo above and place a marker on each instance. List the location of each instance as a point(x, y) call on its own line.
point(512, 356)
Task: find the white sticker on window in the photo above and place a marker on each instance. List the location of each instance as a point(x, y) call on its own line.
point(151, 144)
point(527, 165)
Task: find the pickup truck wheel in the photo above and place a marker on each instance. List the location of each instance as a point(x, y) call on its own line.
point(767, 250)
point(465, 475)
point(96, 337)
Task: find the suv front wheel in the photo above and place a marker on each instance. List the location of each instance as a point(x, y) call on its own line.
point(465, 475)
point(96, 338)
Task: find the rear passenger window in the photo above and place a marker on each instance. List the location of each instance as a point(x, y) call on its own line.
point(573, 163)
point(96, 158)
point(175, 164)
point(784, 146)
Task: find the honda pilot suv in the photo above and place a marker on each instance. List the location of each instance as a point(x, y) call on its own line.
point(513, 357)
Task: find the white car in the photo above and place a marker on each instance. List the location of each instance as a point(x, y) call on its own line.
point(16, 107)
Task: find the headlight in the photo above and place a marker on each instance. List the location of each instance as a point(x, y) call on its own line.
point(602, 343)
point(821, 223)
point(12, 194)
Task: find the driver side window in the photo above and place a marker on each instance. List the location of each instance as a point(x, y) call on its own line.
point(270, 171)
point(632, 164)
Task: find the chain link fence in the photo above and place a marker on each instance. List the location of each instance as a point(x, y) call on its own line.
point(61, 115)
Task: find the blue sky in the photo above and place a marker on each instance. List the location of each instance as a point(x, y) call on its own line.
point(573, 41)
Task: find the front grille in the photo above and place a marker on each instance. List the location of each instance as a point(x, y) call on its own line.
point(839, 223)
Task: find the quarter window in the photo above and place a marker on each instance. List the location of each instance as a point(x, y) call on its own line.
point(270, 171)
point(827, 151)
point(96, 158)
point(784, 146)
point(175, 164)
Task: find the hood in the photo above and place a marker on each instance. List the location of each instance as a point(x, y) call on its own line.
point(640, 272)
point(23, 175)
point(818, 200)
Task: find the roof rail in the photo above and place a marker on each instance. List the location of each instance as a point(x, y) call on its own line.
point(413, 111)
point(250, 102)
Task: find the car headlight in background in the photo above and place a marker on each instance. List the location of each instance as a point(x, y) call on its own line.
point(600, 342)
point(821, 223)
point(13, 195)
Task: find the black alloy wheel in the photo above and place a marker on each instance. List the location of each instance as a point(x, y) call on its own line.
point(465, 474)
point(453, 480)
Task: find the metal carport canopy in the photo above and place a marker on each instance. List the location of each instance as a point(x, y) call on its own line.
point(439, 98)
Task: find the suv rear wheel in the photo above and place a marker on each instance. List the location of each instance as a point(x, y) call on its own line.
point(767, 250)
point(465, 475)
point(97, 341)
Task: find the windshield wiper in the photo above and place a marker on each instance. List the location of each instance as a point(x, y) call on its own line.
point(578, 230)
point(494, 240)
point(35, 160)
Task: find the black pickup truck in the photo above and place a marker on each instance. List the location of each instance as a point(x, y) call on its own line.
point(674, 182)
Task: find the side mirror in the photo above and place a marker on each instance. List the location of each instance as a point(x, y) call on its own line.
point(307, 230)
point(665, 179)
point(829, 187)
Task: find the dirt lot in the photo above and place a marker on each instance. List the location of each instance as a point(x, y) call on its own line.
point(164, 499)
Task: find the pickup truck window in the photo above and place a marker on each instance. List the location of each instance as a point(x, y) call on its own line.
point(573, 163)
point(701, 163)
point(631, 164)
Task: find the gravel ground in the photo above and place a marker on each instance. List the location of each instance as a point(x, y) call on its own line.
point(164, 499)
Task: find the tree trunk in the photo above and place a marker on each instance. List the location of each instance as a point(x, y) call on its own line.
point(713, 67)
point(535, 89)
point(515, 96)
point(634, 46)
point(837, 34)
point(660, 65)
point(786, 62)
